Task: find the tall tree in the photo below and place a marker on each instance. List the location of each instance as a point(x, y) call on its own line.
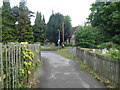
point(25, 32)
point(55, 23)
point(67, 26)
point(8, 23)
point(15, 11)
point(106, 16)
point(39, 28)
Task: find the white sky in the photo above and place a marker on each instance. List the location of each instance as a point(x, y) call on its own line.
point(78, 10)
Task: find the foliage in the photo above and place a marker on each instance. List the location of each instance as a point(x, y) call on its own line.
point(25, 32)
point(24, 43)
point(112, 53)
point(65, 53)
point(67, 26)
point(108, 45)
point(85, 37)
point(105, 17)
point(102, 46)
point(27, 60)
point(55, 23)
point(8, 23)
point(12, 32)
point(50, 45)
point(68, 45)
point(39, 28)
point(23, 67)
point(48, 49)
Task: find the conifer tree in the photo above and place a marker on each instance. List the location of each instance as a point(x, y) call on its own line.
point(8, 23)
point(55, 23)
point(25, 32)
point(39, 28)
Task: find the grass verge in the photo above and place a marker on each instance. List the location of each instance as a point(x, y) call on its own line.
point(64, 53)
point(106, 82)
point(48, 49)
point(34, 80)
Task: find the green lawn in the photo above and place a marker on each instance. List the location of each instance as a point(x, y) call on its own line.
point(48, 49)
point(63, 52)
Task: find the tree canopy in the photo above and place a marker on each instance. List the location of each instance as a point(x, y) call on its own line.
point(55, 23)
point(106, 17)
point(39, 28)
point(8, 23)
point(16, 25)
point(85, 37)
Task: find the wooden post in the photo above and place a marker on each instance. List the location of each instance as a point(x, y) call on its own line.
point(1, 67)
point(12, 63)
point(63, 33)
point(7, 67)
point(17, 59)
point(119, 73)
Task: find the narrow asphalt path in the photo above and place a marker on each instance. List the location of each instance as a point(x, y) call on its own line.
point(59, 72)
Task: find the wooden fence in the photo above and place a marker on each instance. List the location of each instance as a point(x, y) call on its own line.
point(107, 67)
point(11, 62)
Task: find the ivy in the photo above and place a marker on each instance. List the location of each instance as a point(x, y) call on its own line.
point(27, 57)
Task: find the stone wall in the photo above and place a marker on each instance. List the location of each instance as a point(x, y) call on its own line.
point(107, 67)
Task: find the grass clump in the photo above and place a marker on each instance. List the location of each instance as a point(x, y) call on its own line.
point(48, 49)
point(64, 53)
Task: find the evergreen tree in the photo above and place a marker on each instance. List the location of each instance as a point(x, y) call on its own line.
point(39, 28)
point(8, 23)
point(55, 23)
point(25, 32)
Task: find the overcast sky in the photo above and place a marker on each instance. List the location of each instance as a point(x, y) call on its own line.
point(78, 10)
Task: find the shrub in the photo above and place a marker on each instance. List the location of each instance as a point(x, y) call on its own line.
point(86, 37)
point(108, 45)
point(102, 46)
point(68, 45)
point(114, 53)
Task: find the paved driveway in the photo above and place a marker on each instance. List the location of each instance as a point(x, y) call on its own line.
point(59, 72)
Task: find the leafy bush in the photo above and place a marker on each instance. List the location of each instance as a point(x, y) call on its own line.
point(102, 46)
point(37, 42)
point(68, 45)
point(117, 46)
point(85, 37)
point(114, 53)
point(108, 45)
point(27, 57)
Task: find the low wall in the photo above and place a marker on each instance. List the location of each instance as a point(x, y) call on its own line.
point(72, 50)
point(107, 67)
